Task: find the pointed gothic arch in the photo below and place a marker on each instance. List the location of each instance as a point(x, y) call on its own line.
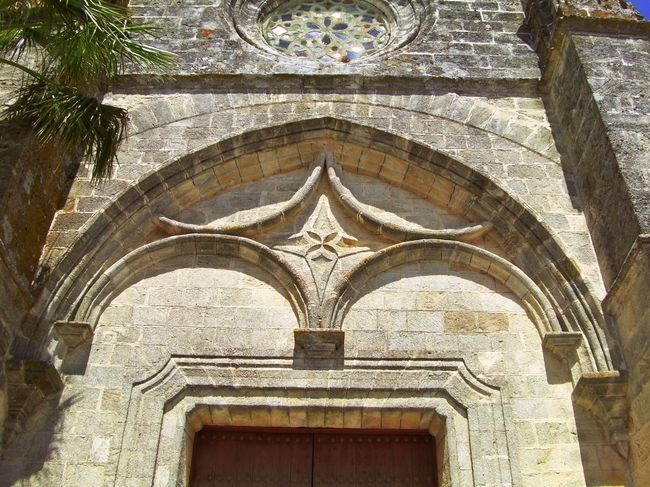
point(127, 224)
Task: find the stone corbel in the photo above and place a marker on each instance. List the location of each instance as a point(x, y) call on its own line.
point(565, 345)
point(73, 333)
point(604, 395)
point(318, 347)
point(29, 383)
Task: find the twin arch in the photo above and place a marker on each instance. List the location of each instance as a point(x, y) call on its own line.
point(309, 311)
point(549, 285)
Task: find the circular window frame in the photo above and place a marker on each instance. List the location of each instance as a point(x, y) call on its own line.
point(408, 16)
point(341, 34)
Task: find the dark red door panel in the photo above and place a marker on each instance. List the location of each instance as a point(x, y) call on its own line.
point(362, 459)
point(319, 458)
point(251, 459)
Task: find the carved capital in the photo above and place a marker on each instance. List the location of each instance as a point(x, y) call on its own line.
point(604, 395)
point(73, 333)
point(563, 344)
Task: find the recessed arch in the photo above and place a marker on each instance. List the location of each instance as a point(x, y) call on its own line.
point(127, 223)
point(448, 112)
point(352, 287)
point(102, 291)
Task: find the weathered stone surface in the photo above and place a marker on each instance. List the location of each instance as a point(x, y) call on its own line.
point(596, 85)
point(317, 343)
point(451, 335)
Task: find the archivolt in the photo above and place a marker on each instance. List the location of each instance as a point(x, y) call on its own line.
point(127, 223)
point(104, 289)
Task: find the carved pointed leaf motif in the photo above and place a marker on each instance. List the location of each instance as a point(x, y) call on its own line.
point(392, 230)
point(291, 207)
point(322, 242)
point(314, 235)
point(313, 249)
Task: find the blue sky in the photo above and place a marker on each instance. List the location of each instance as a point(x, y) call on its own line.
point(643, 6)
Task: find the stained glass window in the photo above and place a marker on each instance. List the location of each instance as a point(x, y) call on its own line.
point(327, 30)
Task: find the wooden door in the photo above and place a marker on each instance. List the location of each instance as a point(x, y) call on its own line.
point(358, 459)
point(318, 458)
point(251, 459)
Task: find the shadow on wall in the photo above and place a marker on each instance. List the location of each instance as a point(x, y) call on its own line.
point(602, 464)
point(34, 455)
point(557, 370)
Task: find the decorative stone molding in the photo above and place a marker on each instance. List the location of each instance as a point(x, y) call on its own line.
point(531, 244)
point(396, 231)
point(73, 333)
point(29, 383)
point(341, 298)
point(317, 343)
point(563, 344)
point(189, 392)
point(322, 243)
point(289, 208)
point(101, 291)
point(604, 395)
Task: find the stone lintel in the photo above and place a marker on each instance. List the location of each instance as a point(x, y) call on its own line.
point(319, 343)
point(604, 395)
point(73, 333)
point(29, 382)
point(564, 344)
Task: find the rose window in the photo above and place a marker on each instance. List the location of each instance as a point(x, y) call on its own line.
point(327, 30)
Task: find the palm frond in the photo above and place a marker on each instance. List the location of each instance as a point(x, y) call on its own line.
point(74, 122)
point(68, 49)
point(86, 40)
point(86, 53)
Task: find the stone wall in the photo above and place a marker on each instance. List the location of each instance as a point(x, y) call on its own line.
point(486, 330)
point(616, 71)
point(601, 128)
point(412, 326)
point(33, 185)
point(456, 39)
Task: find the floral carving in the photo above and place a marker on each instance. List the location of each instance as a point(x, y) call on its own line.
point(322, 242)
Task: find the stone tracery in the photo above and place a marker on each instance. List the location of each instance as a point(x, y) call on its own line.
point(322, 242)
point(327, 30)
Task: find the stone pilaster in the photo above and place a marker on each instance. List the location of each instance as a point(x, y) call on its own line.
point(595, 56)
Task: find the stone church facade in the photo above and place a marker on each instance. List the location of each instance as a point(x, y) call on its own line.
point(442, 230)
